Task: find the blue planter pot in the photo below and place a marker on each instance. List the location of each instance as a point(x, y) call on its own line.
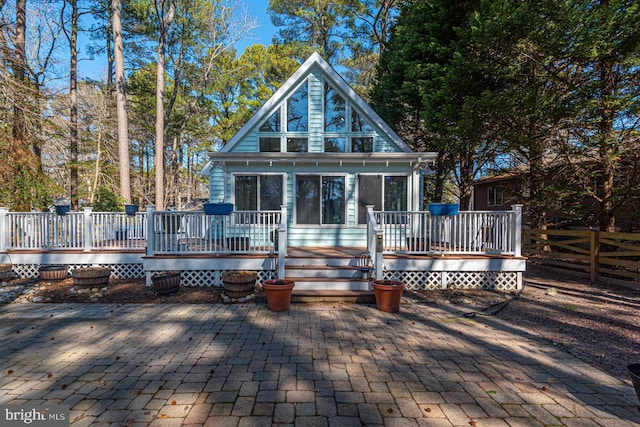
point(218, 208)
point(62, 209)
point(131, 210)
point(441, 209)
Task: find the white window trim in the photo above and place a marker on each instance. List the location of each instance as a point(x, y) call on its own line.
point(346, 201)
point(493, 202)
point(283, 175)
point(382, 176)
point(347, 133)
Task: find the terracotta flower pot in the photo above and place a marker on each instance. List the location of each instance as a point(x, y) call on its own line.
point(278, 293)
point(388, 294)
point(238, 284)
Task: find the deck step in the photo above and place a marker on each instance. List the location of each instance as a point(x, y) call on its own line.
point(337, 295)
point(326, 272)
point(330, 283)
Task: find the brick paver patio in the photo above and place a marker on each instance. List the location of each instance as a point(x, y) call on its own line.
point(317, 365)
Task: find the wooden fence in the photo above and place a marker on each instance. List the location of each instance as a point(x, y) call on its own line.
point(606, 257)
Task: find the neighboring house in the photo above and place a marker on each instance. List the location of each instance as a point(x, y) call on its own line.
point(317, 148)
point(500, 192)
point(497, 193)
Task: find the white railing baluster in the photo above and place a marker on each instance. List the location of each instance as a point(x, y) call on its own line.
point(468, 232)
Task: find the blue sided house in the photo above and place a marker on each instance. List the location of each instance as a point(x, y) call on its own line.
point(317, 148)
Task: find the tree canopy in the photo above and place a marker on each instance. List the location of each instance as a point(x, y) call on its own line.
point(547, 90)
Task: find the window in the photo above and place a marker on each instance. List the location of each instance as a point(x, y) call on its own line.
point(362, 145)
point(384, 192)
point(269, 144)
point(334, 110)
point(335, 145)
point(258, 192)
point(320, 200)
point(298, 110)
point(359, 124)
point(272, 124)
point(496, 196)
point(297, 145)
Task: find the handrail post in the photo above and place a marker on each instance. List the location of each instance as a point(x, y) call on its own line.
point(378, 263)
point(150, 232)
point(375, 243)
point(282, 242)
point(371, 246)
point(88, 229)
point(517, 230)
point(4, 230)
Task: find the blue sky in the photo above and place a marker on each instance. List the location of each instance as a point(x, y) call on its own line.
point(266, 30)
point(96, 68)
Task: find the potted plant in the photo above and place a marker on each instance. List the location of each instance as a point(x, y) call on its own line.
point(166, 283)
point(388, 294)
point(6, 272)
point(91, 276)
point(278, 292)
point(130, 210)
point(238, 284)
point(218, 208)
point(365, 272)
point(442, 209)
point(62, 209)
point(53, 272)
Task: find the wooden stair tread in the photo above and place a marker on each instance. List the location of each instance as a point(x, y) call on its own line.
point(327, 279)
point(333, 295)
point(331, 292)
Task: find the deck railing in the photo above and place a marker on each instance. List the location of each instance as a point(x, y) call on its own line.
point(85, 230)
point(194, 232)
point(252, 232)
point(469, 232)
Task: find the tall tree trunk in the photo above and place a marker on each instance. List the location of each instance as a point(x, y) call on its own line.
point(121, 103)
point(19, 72)
point(607, 220)
point(73, 106)
point(164, 21)
point(535, 181)
point(467, 163)
point(109, 48)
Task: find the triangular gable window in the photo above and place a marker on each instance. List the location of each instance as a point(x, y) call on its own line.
point(298, 110)
point(272, 124)
point(335, 110)
point(358, 123)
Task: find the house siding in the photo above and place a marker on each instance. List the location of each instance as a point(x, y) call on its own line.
point(315, 111)
point(217, 184)
point(349, 234)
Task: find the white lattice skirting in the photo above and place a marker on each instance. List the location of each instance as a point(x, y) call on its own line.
point(212, 277)
point(431, 280)
point(414, 280)
point(136, 271)
point(118, 271)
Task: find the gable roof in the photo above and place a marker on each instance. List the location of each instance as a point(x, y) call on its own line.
point(316, 60)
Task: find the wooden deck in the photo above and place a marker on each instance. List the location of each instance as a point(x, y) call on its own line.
point(326, 271)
